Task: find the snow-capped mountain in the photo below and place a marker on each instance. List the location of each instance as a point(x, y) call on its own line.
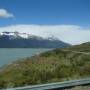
point(25, 40)
point(16, 34)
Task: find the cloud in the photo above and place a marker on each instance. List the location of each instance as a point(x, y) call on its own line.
point(72, 34)
point(5, 14)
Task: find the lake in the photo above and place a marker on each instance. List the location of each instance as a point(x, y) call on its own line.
point(8, 55)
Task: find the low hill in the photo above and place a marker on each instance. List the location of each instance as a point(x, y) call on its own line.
point(52, 66)
point(85, 47)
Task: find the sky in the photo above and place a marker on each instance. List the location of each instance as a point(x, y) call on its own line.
point(68, 20)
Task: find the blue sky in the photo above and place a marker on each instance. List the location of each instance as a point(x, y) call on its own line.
point(68, 20)
point(75, 12)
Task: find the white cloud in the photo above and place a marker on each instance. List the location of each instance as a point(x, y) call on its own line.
point(68, 33)
point(5, 14)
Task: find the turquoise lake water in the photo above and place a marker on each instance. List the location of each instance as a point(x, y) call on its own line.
point(9, 55)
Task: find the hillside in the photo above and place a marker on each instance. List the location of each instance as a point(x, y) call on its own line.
point(24, 40)
point(85, 47)
point(52, 66)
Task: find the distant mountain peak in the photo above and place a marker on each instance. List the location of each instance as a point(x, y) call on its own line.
point(25, 40)
point(17, 34)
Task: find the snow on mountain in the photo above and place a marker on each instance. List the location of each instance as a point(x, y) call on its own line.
point(25, 40)
point(16, 34)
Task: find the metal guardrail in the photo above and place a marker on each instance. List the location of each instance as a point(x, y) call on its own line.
point(54, 85)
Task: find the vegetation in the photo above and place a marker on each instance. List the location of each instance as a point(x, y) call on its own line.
point(85, 47)
point(52, 66)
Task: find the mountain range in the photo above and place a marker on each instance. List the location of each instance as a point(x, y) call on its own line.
point(25, 40)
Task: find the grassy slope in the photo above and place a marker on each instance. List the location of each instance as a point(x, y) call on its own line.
point(85, 47)
point(52, 66)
